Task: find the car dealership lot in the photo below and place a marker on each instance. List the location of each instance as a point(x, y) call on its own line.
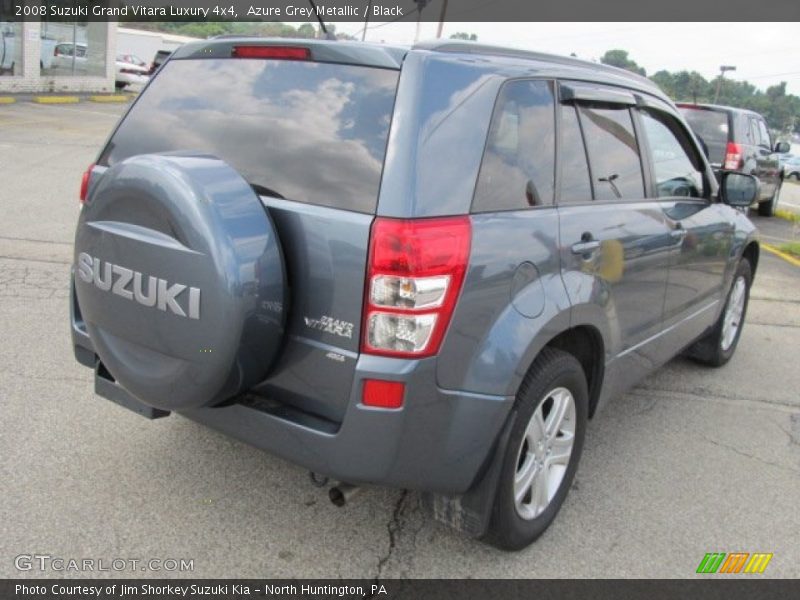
point(692, 461)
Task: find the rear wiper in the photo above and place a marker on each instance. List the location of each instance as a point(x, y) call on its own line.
point(265, 191)
point(328, 36)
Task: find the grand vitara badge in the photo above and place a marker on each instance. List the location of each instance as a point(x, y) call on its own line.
point(146, 290)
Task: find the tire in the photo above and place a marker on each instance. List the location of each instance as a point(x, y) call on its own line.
point(719, 345)
point(794, 177)
point(767, 209)
point(173, 222)
point(554, 377)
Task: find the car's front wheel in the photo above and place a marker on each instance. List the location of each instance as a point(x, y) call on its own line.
point(718, 346)
point(543, 450)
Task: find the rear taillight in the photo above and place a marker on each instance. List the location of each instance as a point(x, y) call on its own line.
point(416, 268)
point(130, 71)
point(733, 157)
point(276, 52)
point(85, 184)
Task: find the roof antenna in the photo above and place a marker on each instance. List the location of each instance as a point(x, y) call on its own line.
point(328, 36)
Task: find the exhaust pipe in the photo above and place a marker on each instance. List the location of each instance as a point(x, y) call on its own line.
point(343, 493)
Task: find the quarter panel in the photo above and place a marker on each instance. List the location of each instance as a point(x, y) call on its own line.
point(490, 342)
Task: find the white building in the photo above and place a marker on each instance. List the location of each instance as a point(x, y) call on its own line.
point(145, 44)
point(57, 57)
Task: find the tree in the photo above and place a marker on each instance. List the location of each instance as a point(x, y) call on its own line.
point(781, 110)
point(472, 37)
point(619, 58)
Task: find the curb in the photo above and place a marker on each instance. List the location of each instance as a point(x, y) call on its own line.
point(110, 98)
point(55, 99)
point(781, 254)
point(68, 99)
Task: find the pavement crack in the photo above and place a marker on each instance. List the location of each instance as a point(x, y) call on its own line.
point(736, 450)
point(24, 239)
point(40, 260)
point(714, 395)
point(394, 527)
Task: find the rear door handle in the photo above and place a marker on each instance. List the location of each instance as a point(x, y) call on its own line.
point(585, 246)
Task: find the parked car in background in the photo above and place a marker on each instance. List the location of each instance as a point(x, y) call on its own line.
point(68, 54)
point(127, 73)
point(130, 73)
point(158, 60)
point(133, 59)
point(791, 169)
point(739, 140)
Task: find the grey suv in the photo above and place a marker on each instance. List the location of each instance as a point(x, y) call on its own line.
point(738, 140)
point(423, 268)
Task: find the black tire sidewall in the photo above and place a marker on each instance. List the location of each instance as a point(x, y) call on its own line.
point(553, 369)
point(743, 269)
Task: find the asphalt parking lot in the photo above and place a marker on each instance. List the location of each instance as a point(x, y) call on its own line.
point(692, 461)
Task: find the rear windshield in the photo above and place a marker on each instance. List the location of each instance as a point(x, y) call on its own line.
point(304, 131)
point(712, 127)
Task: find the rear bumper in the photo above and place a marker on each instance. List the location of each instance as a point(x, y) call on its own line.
point(438, 442)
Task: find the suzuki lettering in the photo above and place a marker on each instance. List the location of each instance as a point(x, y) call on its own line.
point(159, 293)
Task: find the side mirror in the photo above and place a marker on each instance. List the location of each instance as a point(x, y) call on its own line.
point(782, 147)
point(738, 189)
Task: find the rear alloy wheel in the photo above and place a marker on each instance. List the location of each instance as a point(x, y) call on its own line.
point(718, 346)
point(543, 450)
point(543, 455)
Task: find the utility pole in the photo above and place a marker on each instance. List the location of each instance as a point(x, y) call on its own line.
point(722, 71)
point(441, 20)
point(366, 21)
point(420, 5)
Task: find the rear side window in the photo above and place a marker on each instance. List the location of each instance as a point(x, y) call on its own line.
point(613, 152)
point(712, 126)
point(518, 168)
point(304, 131)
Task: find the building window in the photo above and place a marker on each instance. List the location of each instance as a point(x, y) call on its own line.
point(10, 49)
point(74, 49)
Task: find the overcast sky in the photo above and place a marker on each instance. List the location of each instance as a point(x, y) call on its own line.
point(763, 53)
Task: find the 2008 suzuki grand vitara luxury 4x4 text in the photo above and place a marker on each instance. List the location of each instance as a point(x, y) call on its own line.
point(423, 268)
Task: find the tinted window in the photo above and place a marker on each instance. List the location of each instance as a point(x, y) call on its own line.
point(310, 132)
point(518, 168)
point(613, 152)
point(762, 129)
point(674, 162)
point(712, 127)
point(575, 183)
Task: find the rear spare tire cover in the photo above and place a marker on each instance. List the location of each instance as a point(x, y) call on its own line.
point(180, 279)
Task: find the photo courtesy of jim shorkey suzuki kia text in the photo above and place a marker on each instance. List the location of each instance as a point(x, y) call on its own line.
point(178, 590)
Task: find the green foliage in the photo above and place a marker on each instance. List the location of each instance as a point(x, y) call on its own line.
point(206, 29)
point(781, 110)
point(619, 58)
point(461, 35)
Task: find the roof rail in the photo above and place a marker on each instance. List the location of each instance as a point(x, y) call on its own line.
point(477, 48)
